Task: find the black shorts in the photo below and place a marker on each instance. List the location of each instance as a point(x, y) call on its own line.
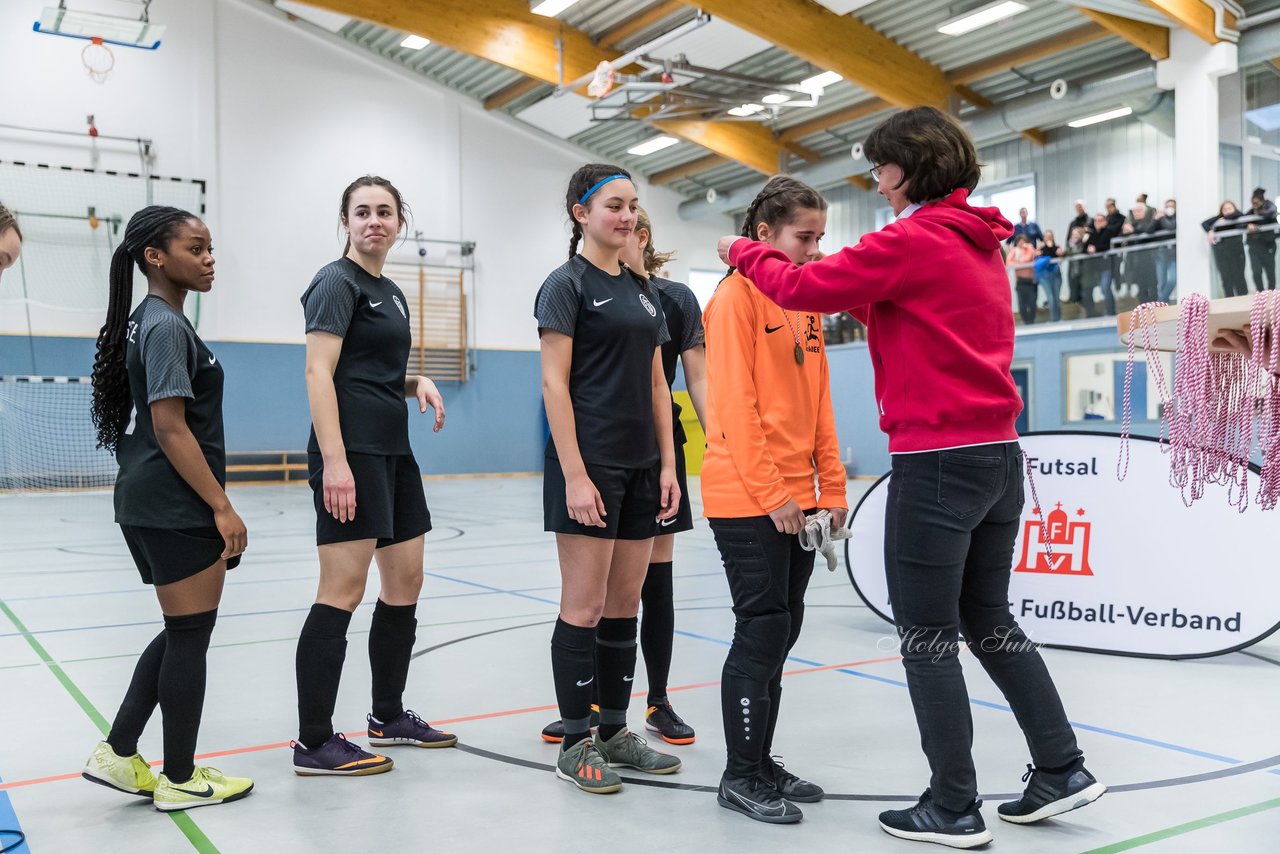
point(683, 520)
point(166, 555)
point(631, 500)
point(390, 505)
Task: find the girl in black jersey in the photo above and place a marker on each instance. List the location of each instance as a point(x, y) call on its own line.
point(157, 404)
point(367, 488)
point(610, 471)
point(686, 344)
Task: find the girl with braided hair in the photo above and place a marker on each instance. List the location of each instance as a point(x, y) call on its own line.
point(157, 404)
point(10, 239)
point(610, 472)
point(771, 432)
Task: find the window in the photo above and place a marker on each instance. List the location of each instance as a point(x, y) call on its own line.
point(1095, 387)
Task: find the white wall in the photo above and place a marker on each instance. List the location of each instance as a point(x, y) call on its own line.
point(279, 118)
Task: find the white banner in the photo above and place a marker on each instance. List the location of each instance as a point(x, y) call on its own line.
point(1133, 571)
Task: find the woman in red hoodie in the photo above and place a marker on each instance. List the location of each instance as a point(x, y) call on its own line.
point(931, 289)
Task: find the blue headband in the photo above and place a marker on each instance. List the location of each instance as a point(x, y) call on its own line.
point(589, 193)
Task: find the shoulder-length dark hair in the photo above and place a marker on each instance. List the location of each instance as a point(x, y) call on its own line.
point(934, 152)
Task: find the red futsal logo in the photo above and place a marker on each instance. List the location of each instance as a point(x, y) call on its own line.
point(1069, 542)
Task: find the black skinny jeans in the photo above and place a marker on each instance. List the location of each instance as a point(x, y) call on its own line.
point(768, 574)
point(949, 535)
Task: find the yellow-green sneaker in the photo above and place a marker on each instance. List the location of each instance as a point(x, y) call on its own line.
point(129, 774)
point(206, 787)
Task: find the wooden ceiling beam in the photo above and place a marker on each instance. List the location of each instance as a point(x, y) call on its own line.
point(1151, 38)
point(1194, 16)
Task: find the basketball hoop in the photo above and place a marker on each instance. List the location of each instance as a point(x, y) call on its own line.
point(98, 60)
point(601, 80)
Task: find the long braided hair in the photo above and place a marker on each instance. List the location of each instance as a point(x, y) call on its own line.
point(150, 228)
point(654, 260)
point(777, 203)
point(8, 221)
point(584, 179)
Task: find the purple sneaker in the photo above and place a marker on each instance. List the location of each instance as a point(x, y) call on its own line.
point(339, 758)
point(410, 729)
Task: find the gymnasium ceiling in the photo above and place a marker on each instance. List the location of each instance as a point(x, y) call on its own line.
point(889, 52)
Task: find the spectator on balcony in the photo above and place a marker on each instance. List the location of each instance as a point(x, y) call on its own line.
point(1224, 235)
point(1167, 256)
point(1262, 241)
point(1049, 274)
point(1141, 202)
point(1082, 218)
point(1026, 227)
point(1021, 261)
point(1074, 252)
point(1114, 217)
point(1139, 260)
point(1100, 269)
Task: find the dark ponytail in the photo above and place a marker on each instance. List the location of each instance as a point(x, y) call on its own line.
point(152, 227)
point(402, 208)
point(777, 203)
point(583, 180)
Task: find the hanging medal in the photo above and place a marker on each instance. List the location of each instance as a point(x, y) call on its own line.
point(799, 351)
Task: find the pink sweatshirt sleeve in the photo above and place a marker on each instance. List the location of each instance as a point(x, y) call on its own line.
point(855, 276)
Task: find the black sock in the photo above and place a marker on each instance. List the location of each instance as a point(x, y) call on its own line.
point(181, 689)
point(391, 638)
point(322, 648)
point(573, 669)
point(657, 628)
point(139, 701)
point(615, 670)
point(746, 710)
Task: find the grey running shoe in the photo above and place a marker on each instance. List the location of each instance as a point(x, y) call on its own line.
point(756, 798)
point(789, 785)
point(583, 766)
point(632, 751)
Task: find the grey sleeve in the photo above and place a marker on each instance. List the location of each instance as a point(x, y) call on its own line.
point(557, 304)
point(168, 350)
point(330, 303)
point(694, 334)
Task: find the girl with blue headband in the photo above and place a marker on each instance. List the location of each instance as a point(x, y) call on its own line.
point(610, 472)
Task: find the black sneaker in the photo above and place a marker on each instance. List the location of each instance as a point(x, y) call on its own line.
point(788, 785)
point(408, 728)
point(756, 799)
point(553, 733)
point(337, 757)
point(663, 720)
point(1052, 794)
point(929, 822)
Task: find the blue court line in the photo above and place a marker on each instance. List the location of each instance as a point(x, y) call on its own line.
point(9, 821)
point(902, 684)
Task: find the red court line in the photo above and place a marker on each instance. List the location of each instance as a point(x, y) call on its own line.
point(259, 748)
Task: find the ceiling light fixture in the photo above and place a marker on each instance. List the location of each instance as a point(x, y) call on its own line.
point(776, 98)
point(650, 146)
point(1101, 117)
point(551, 8)
point(983, 16)
point(415, 42)
point(818, 82)
point(746, 110)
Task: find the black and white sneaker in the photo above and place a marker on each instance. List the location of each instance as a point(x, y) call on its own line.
point(788, 785)
point(757, 799)
point(929, 822)
point(1052, 794)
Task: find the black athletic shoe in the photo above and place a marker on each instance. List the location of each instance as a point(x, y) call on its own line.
point(755, 798)
point(663, 720)
point(553, 733)
point(929, 822)
point(788, 785)
point(1052, 794)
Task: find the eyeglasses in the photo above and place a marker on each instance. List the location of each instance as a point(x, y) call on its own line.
point(875, 172)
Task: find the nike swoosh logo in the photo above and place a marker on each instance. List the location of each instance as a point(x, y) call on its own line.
point(207, 793)
point(376, 304)
point(599, 302)
point(665, 522)
point(585, 684)
point(760, 808)
point(768, 331)
point(627, 678)
point(213, 360)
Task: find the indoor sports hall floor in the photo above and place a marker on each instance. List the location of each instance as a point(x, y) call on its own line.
point(1189, 749)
